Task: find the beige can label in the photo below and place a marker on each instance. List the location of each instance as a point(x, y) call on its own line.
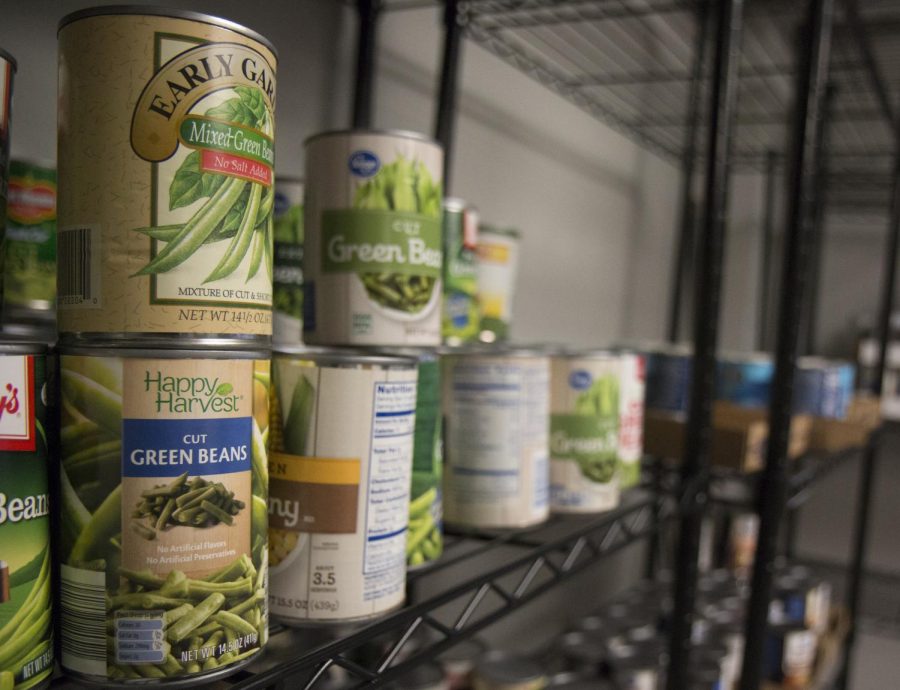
point(165, 216)
point(340, 472)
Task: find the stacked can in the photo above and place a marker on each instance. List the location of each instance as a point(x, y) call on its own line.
point(165, 303)
point(287, 279)
point(460, 318)
point(498, 263)
point(823, 388)
point(7, 72)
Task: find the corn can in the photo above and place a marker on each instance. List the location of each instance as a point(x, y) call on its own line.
point(343, 426)
point(496, 431)
point(287, 284)
point(165, 206)
point(372, 263)
point(164, 518)
point(26, 611)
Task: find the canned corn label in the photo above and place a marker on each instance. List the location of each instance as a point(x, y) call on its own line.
point(425, 542)
point(166, 223)
point(584, 433)
point(342, 448)
point(164, 504)
point(497, 262)
point(373, 257)
point(26, 644)
point(287, 298)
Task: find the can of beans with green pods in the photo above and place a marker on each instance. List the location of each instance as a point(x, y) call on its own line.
point(164, 483)
point(584, 431)
point(460, 316)
point(29, 281)
point(343, 426)
point(287, 284)
point(372, 262)
point(425, 543)
point(165, 206)
point(498, 263)
point(496, 410)
point(7, 72)
point(26, 632)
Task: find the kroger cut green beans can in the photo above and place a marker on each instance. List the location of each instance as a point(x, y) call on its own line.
point(29, 290)
point(26, 639)
point(461, 319)
point(287, 301)
point(165, 206)
point(496, 410)
point(343, 426)
point(372, 262)
point(585, 390)
point(164, 481)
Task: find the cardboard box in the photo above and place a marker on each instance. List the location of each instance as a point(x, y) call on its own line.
point(739, 436)
point(863, 417)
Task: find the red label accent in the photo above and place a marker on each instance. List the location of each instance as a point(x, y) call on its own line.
point(14, 401)
point(31, 203)
point(229, 164)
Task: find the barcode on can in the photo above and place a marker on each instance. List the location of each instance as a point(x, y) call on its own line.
point(78, 252)
point(83, 620)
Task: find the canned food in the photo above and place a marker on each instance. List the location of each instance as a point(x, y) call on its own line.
point(164, 487)
point(26, 637)
point(790, 654)
point(459, 662)
point(584, 432)
point(7, 72)
point(372, 265)
point(287, 280)
point(669, 378)
point(823, 388)
point(501, 671)
point(29, 290)
point(631, 418)
point(460, 318)
point(498, 265)
point(165, 214)
point(742, 542)
point(342, 446)
point(496, 409)
point(744, 379)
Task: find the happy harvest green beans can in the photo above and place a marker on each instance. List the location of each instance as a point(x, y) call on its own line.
point(372, 261)
point(26, 638)
point(343, 425)
point(584, 431)
point(166, 157)
point(164, 480)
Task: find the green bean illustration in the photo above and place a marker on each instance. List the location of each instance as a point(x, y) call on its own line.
point(403, 186)
point(423, 542)
point(240, 243)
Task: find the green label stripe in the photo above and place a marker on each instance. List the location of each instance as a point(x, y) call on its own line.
point(205, 133)
point(368, 241)
point(579, 437)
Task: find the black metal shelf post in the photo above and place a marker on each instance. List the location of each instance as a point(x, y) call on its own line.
point(368, 12)
point(765, 250)
point(773, 487)
point(708, 286)
point(455, 19)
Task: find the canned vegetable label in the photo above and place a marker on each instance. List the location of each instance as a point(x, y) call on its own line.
point(460, 321)
point(165, 220)
point(164, 514)
point(631, 419)
point(26, 645)
point(584, 433)
point(497, 261)
point(342, 447)
point(373, 257)
point(425, 542)
point(496, 444)
point(287, 300)
point(30, 276)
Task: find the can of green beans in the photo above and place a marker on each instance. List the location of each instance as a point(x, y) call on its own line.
point(166, 194)
point(372, 263)
point(26, 637)
point(164, 479)
point(7, 72)
point(29, 281)
point(343, 426)
point(287, 285)
point(460, 319)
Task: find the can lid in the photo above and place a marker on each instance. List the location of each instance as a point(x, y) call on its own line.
point(22, 347)
point(421, 354)
point(9, 58)
point(343, 356)
point(488, 229)
point(492, 350)
point(166, 12)
point(454, 203)
point(401, 133)
point(162, 350)
point(502, 667)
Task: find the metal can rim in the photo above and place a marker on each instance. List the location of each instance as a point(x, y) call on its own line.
point(6, 55)
point(401, 133)
point(454, 203)
point(329, 355)
point(137, 10)
point(140, 351)
point(165, 341)
point(23, 347)
point(423, 353)
point(485, 350)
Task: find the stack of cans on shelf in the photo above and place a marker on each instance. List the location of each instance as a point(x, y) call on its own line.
point(165, 312)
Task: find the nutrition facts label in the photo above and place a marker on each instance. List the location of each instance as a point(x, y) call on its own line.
point(387, 508)
point(140, 639)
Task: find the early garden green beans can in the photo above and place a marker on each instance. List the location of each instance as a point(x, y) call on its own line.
point(372, 261)
point(164, 483)
point(26, 637)
point(343, 426)
point(166, 156)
